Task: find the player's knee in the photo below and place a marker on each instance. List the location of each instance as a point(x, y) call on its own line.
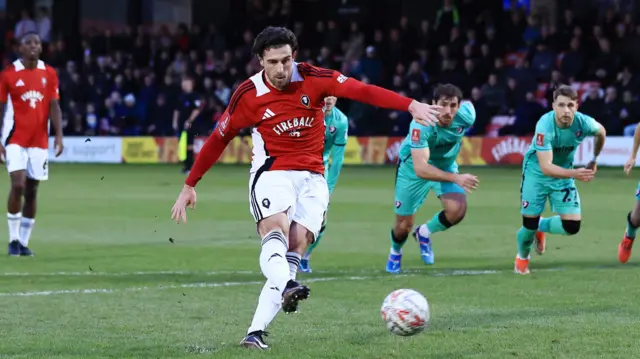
point(30, 192)
point(18, 187)
point(456, 214)
point(531, 223)
point(403, 227)
point(571, 226)
point(279, 222)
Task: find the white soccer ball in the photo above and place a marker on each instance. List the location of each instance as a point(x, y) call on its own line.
point(405, 312)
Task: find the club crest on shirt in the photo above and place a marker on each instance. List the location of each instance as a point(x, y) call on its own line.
point(578, 133)
point(332, 129)
point(304, 99)
point(460, 129)
point(44, 81)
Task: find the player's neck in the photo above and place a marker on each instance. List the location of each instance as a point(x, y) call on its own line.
point(562, 125)
point(29, 64)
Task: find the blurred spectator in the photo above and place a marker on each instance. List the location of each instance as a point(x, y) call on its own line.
point(25, 25)
point(127, 81)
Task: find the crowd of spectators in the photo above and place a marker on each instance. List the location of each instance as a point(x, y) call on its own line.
point(127, 82)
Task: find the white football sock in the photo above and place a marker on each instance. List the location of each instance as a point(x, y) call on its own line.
point(25, 230)
point(424, 230)
point(273, 263)
point(269, 304)
point(294, 263)
point(14, 225)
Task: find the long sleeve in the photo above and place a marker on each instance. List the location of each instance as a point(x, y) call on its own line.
point(335, 84)
point(233, 120)
point(211, 151)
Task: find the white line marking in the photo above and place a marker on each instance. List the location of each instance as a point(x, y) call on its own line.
point(118, 274)
point(190, 285)
point(379, 275)
point(444, 272)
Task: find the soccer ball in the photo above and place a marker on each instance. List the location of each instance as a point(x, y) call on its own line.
point(405, 312)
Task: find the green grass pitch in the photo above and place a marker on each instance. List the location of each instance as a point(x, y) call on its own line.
point(107, 282)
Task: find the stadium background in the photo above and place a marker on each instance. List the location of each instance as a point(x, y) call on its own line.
point(120, 78)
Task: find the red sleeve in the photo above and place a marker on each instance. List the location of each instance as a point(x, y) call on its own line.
point(336, 84)
point(233, 120)
point(4, 88)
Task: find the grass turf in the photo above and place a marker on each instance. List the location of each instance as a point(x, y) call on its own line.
point(115, 278)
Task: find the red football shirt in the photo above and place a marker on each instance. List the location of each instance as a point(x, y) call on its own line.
point(27, 94)
point(288, 125)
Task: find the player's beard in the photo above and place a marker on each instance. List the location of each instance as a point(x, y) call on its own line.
point(280, 83)
point(565, 121)
point(445, 121)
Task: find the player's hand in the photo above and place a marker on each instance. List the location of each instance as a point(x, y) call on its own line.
point(187, 125)
point(426, 115)
point(187, 198)
point(467, 181)
point(58, 145)
point(593, 165)
point(583, 174)
point(628, 166)
point(3, 153)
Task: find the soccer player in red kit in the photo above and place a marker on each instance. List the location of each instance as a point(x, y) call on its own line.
point(28, 96)
point(288, 193)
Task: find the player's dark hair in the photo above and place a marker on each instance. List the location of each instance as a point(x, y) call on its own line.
point(272, 38)
point(566, 91)
point(447, 91)
point(30, 33)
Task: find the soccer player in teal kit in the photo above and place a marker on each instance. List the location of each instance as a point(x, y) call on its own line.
point(427, 161)
point(335, 140)
point(548, 173)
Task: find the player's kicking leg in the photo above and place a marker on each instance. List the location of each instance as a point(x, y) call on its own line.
point(633, 222)
point(454, 208)
point(285, 236)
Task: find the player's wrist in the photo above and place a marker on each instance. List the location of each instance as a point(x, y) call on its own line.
point(412, 104)
point(595, 158)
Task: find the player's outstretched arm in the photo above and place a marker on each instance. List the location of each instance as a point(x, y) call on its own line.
point(213, 147)
point(233, 120)
point(631, 162)
point(429, 172)
point(336, 84)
